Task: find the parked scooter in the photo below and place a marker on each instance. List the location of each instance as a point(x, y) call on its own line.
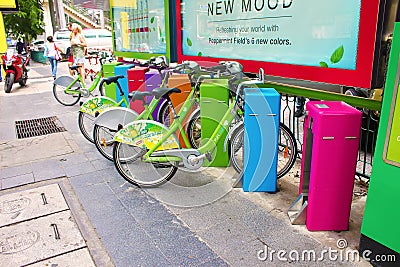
point(15, 67)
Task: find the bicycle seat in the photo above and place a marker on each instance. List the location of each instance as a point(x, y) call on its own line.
point(75, 67)
point(138, 95)
point(112, 79)
point(164, 92)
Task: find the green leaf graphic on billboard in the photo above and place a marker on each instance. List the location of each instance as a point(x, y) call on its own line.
point(200, 54)
point(323, 64)
point(337, 54)
point(159, 31)
point(152, 20)
point(189, 42)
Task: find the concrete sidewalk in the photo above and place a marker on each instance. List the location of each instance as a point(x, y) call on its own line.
point(123, 225)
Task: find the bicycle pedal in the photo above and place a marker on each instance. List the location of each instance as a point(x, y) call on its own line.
point(85, 92)
point(286, 152)
point(103, 142)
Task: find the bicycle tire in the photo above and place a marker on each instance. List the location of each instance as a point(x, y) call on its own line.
point(127, 160)
point(104, 140)
point(194, 130)
point(287, 150)
point(86, 122)
point(59, 94)
point(8, 83)
point(164, 114)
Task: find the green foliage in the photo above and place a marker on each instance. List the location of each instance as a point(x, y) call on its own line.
point(27, 23)
point(323, 64)
point(337, 55)
point(189, 42)
point(152, 20)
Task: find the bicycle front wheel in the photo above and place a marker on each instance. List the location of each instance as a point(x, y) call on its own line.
point(287, 150)
point(129, 164)
point(86, 123)
point(104, 140)
point(65, 98)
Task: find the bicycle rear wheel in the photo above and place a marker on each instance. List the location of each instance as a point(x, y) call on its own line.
point(67, 99)
point(164, 114)
point(129, 164)
point(86, 122)
point(287, 150)
point(194, 130)
point(104, 140)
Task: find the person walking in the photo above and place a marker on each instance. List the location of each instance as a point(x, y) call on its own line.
point(20, 46)
point(52, 52)
point(70, 58)
point(78, 45)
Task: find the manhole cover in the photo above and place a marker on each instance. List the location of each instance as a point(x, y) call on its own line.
point(37, 127)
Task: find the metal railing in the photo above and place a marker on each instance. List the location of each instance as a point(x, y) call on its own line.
point(85, 13)
point(370, 119)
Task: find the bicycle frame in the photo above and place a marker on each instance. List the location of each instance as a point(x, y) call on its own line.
point(96, 81)
point(202, 151)
point(177, 125)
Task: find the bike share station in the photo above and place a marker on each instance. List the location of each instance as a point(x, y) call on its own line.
point(331, 127)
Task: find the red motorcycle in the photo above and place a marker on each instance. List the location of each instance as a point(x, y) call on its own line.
point(15, 67)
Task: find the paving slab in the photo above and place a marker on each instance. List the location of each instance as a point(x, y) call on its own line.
point(17, 152)
point(30, 204)
point(15, 171)
point(39, 239)
point(76, 258)
point(47, 169)
point(17, 181)
point(193, 189)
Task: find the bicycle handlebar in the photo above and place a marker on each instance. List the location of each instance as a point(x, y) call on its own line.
point(260, 80)
point(217, 68)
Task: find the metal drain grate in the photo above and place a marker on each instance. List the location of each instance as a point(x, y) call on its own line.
point(37, 127)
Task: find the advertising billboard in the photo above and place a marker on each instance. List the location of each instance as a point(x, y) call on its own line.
point(140, 28)
point(325, 41)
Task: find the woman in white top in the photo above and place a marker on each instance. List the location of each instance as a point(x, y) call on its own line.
point(51, 51)
point(78, 44)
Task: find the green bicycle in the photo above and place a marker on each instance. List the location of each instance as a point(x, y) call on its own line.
point(148, 154)
point(113, 119)
point(94, 107)
point(68, 90)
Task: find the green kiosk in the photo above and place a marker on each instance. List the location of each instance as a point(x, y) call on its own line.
point(380, 231)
